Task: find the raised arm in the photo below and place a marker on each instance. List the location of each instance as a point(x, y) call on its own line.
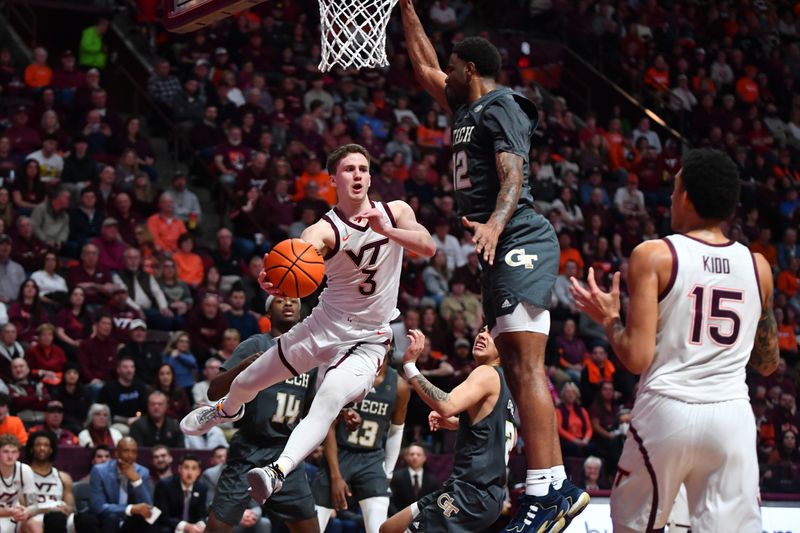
point(634, 343)
point(481, 382)
point(423, 56)
point(765, 355)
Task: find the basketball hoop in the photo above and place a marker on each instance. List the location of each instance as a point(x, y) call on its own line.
point(354, 33)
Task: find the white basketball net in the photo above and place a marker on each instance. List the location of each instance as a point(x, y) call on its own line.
point(354, 33)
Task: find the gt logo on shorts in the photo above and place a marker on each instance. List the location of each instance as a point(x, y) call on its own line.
point(445, 501)
point(518, 257)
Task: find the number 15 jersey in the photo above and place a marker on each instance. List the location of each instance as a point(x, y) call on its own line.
point(363, 271)
point(707, 320)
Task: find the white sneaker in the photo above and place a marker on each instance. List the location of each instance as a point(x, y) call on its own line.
point(264, 482)
point(202, 419)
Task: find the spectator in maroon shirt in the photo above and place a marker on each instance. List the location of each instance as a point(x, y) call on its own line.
point(277, 207)
point(571, 351)
point(206, 325)
point(26, 249)
point(97, 355)
point(27, 312)
point(385, 185)
point(231, 156)
point(122, 313)
point(24, 138)
point(127, 219)
point(205, 135)
point(73, 322)
point(67, 78)
point(110, 246)
point(44, 357)
point(28, 398)
point(255, 175)
point(28, 190)
point(95, 281)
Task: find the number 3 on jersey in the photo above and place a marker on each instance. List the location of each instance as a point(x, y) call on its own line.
point(460, 168)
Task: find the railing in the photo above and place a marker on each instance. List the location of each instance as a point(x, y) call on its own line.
point(21, 16)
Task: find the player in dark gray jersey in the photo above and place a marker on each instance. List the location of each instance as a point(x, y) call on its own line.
point(267, 423)
point(492, 129)
point(482, 411)
point(360, 463)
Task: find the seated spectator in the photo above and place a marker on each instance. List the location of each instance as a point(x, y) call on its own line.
point(788, 248)
point(592, 480)
point(145, 356)
point(608, 425)
point(205, 325)
point(53, 289)
point(28, 190)
point(460, 301)
point(462, 362)
point(571, 351)
point(231, 156)
point(182, 499)
point(10, 349)
point(28, 397)
point(187, 206)
point(177, 293)
point(11, 273)
point(51, 164)
point(238, 317)
point(8, 212)
point(571, 213)
point(144, 292)
point(110, 246)
point(28, 250)
point(9, 424)
point(80, 169)
point(190, 265)
point(231, 339)
point(210, 370)
point(97, 354)
point(161, 464)
point(125, 396)
point(629, 200)
point(155, 427)
point(24, 138)
point(163, 86)
point(73, 322)
point(569, 253)
point(122, 313)
point(75, 399)
point(469, 273)
point(120, 491)
point(565, 303)
point(85, 220)
point(436, 277)
point(105, 189)
point(97, 428)
point(574, 427)
point(411, 482)
point(38, 75)
point(164, 226)
point(53, 420)
point(178, 404)
point(46, 359)
point(430, 134)
point(596, 369)
point(88, 275)
point(178, 355)
point(27, 312)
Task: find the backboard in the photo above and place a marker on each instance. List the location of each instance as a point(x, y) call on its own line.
point(183, 16)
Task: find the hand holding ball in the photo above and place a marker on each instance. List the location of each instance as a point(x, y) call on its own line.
point(293, 267)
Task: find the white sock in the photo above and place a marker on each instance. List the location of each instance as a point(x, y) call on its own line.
point(557, 476)
point(286, 464)
point(537, 482)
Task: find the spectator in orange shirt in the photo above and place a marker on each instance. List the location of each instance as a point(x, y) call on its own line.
point(315, 173)
point(38, 74)
point(11, 425)
point(190, 265)
point(569, 253)
point(788, 279)
point(764, 246)
point(574, 426)
point(657, 76)
point(596, 369)
point(787, 339)
point(164, 226)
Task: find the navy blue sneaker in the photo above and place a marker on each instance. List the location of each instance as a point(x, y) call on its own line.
point(540, 514)
point(577, 499)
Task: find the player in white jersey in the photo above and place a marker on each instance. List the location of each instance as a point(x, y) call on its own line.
point(348, 333)
point(17, 500)
point(55, 501)
point(700, 310)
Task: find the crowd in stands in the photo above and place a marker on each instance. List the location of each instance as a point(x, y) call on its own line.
point(116, 310)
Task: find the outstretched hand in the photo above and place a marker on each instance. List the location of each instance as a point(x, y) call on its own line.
point(416, 344)
point(601, 306)
point(485, 237)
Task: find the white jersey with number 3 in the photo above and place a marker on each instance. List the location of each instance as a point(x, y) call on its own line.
point(707, 320)
point(363, 271)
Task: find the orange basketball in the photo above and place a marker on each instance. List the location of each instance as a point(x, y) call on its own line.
point(294, 267)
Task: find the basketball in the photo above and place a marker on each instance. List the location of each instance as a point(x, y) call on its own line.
point(294, 267)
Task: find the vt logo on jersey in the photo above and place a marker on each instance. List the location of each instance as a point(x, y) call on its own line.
point(368, 286)
point(518, 257)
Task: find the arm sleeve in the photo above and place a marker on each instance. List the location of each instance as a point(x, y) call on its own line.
point(142, 491)
point(509, 126)
point(394, 441)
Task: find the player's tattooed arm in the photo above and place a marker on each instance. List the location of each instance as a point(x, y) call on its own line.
point(423, 56)
point(511, 175)
point(429, 391)
point(765, 355)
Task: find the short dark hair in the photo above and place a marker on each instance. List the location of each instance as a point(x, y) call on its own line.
point(47, 434)
point(711, 180)
point(342, 152)
point(220, 447)
point(104, 447)
point(189, 457)
point(481, 52)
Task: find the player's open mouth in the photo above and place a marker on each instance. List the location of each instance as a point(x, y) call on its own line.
point(480, 345)
point(288, 313)
point(357, 187)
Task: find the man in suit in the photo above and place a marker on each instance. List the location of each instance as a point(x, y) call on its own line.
point(412, 481)
point(120, 497)
point(182, 499)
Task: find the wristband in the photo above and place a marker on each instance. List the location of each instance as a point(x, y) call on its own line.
point(411, 370)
